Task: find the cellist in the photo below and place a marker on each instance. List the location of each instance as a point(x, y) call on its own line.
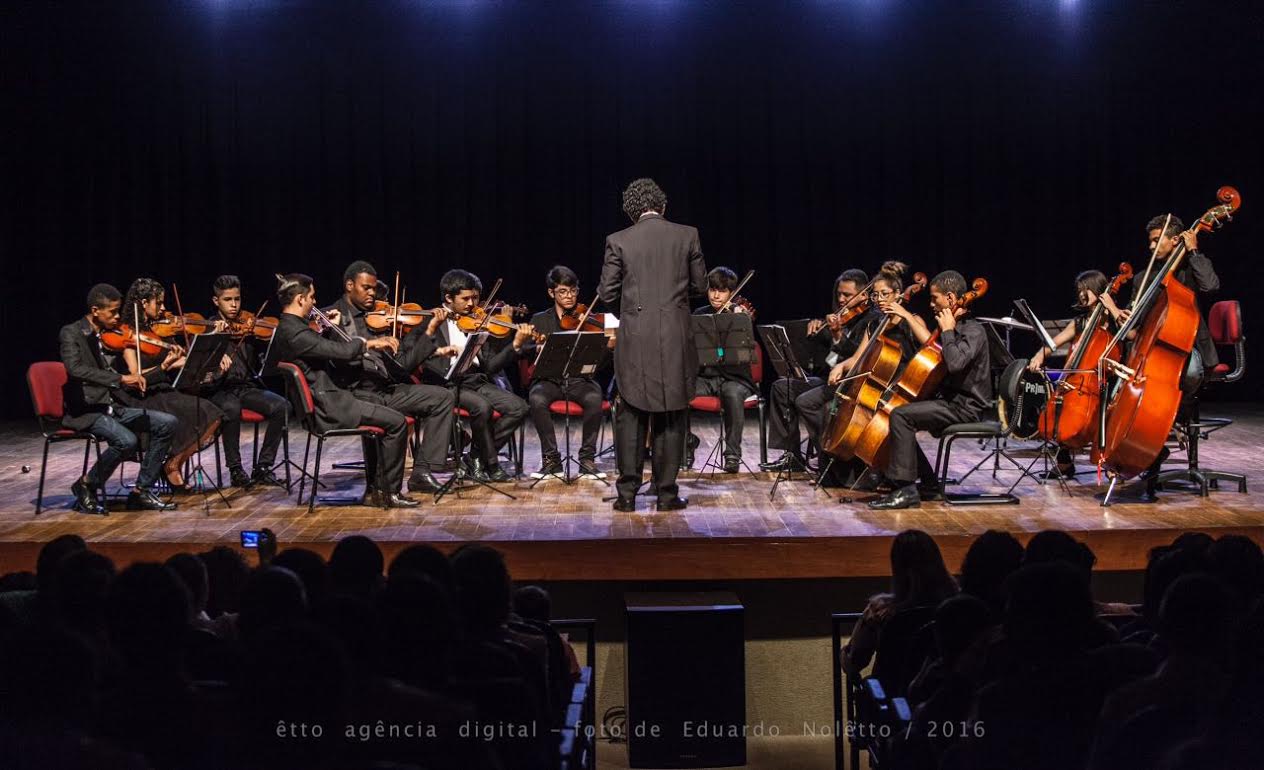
point(1195, 271)
point(964, 394)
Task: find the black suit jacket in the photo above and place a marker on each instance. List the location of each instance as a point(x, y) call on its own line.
point(90, 382)
point(317, 356)
point(415, 347)
point(650, 269)
point(494, 357)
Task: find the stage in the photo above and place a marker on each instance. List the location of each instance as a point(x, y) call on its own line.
point(731, 530)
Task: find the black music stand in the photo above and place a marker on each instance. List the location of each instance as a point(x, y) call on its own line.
point(563, 356)
point(785, 362)
point(722, 339)
point(267, 368)
point(458, 481)
point(201, 367)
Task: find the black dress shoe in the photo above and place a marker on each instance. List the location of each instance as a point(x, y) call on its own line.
point(552, 466)
point(86, 500)
point(371, 498)
point(238, 478)
point(732, 465)
point(264, 477)
point(625, 504)
point(424, 482)
point(142, 499)
point(869, 482)
point(674, 504)
point(400, 500)
point(475, 470)
point(498, 474)
point(789, 461)
point(904, 497)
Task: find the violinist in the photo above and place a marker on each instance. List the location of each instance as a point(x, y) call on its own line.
point(884, 303)
point(238, 388)
point(963, 396)
point(385, 376)
point(480, 395)
point(831, 342)
point(563, 289)
point(199, 419)
point(92, 405)
point(733, 384)
point(337, 407)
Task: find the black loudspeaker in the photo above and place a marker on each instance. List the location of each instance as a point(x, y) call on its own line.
point(685, 661)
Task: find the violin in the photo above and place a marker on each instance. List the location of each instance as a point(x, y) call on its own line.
point(1070, 417)
point(1136, 421)
point(189, 323)
point(403, 318)
point(857, 398)
point(124, 338)
point(499, 322)
point(247, 323)
point(592, 322)
point(919, 381)
point(738, 301)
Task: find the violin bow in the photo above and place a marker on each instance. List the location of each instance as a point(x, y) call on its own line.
point(733, 294)
point(1154, 252)
point(583, 319)
point(398, 303)
point(492, 294)
point(175, 292)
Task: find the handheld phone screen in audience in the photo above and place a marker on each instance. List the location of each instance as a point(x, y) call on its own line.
point(250, 538)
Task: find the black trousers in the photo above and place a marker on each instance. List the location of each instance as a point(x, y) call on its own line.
point(667, 436)
point(584, 392)
point(431, 407)
point(394, 443)
point(733, 395)
point(480, 400)
point(813, 407)
point(907, 461)
point(232, 399)
point(783, 425)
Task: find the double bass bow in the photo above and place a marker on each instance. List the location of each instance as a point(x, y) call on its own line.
point(857, 395)
point(1070, 417)
point(1136, 420)
point(919, 381)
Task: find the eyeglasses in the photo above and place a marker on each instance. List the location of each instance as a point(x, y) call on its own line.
point(566, 291)
point(880, 295)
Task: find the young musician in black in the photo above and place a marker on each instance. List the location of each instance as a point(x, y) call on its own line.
point(480, 395)
point(563, 288)
point(1195, 271)
point(378, 379)
point(91, 405)
point(830, 342)
point(240, 388)
point(295, 342)
point(964, 394)
point(733, 384)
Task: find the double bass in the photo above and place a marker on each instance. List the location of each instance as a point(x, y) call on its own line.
point(857, 398)
point(1070, 417)
point(1139, 416)
point(919, 381)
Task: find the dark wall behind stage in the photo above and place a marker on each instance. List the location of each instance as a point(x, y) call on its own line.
point(1022, 140)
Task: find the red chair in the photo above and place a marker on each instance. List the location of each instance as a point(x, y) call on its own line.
point(566, 409)
point(300, 395)
point(712, 405)
point(46, 380)
point(1225, 324)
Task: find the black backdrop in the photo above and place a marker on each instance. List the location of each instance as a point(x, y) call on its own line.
point(1021, 140)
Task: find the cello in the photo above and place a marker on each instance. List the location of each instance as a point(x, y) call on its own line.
point(1070, 417)
point(919, 381)
point(1139, 416)
point(857, 397)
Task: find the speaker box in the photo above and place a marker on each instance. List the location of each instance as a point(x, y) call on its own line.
point(686, 680)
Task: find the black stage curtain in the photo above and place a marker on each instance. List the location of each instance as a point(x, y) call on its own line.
point(1020, 141)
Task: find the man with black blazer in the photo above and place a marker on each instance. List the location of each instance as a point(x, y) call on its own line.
point(382, 379)
point(650, 270)
point(480, 395)
point(90, 406)
point(295, 342)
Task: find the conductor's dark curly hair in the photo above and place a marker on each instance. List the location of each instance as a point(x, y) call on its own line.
point(643, 195)
point(142, 290)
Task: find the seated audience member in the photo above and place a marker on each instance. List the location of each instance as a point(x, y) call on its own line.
point(355, 567)
point(991, 558)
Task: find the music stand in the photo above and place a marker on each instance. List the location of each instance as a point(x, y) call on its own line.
point(201, 367)
point(267, 368)
point(562, 356)
point(723, 339)
point(473, 345)
point(781, 355)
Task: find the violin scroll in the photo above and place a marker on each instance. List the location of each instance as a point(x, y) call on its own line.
point(1230, 200)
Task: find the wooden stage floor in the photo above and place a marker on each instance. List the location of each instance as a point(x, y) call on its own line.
point(731, 530)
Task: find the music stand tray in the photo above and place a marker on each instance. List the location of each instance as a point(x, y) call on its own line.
point(564, 356)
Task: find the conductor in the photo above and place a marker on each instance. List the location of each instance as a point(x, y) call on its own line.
point(650, 270)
